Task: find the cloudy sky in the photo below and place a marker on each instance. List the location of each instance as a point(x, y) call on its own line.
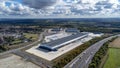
point(59, 8)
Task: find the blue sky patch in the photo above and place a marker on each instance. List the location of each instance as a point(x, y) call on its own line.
point(7, 4)
point(20, 1)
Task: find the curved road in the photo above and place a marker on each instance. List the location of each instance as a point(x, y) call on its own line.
point(84, 59)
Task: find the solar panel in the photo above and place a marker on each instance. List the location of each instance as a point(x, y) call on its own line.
point(62, 40)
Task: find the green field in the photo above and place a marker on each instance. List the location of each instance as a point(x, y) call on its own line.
point(114, 58)
point(34, 36)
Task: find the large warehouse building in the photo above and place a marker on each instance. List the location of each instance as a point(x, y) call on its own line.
point(56, 44)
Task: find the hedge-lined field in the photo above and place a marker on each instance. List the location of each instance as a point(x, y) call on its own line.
point(114, 58)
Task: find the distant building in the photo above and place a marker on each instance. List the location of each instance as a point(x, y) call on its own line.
point(72, 30)
point(8, 34)
point(56, 29)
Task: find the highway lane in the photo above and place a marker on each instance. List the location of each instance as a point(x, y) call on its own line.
point(83, 60)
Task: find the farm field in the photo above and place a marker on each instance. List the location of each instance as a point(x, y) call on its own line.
point(115, 43)
point(33, 36)
point(113, 60)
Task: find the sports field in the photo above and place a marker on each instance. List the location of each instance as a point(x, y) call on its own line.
point(113, 60)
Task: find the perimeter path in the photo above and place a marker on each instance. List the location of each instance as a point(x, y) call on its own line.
point(14, 50)
point(84, 59)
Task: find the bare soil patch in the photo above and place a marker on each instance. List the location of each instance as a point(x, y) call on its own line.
point(115, 43)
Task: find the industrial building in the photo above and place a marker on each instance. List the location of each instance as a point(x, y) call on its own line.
point(72, 30)
point(56, 36)
point(56, 44)
point(56, 29)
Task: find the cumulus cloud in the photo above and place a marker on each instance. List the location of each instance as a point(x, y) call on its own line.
point(59, 7)
point(38, 4)
point(15, 9)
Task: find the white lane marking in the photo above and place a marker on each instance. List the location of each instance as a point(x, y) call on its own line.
point(74, 62)
point(88, 59)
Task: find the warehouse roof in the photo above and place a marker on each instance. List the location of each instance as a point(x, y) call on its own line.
point(62, 40)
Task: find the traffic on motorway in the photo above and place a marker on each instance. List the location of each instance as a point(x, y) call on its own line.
point(83, 60)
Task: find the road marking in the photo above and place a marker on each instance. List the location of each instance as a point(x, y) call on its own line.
point(74, 63)
point(88, 59)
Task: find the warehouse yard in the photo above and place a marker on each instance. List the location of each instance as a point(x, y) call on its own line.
point(54, 54)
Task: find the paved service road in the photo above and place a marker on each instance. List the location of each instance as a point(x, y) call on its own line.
point(32, 58)
point(83, 60)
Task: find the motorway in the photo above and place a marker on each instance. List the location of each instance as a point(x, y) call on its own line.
point(84, 59)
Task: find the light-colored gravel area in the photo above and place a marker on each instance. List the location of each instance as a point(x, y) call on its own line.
point(14, 61)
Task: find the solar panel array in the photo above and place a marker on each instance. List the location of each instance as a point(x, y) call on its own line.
point(62, 40)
